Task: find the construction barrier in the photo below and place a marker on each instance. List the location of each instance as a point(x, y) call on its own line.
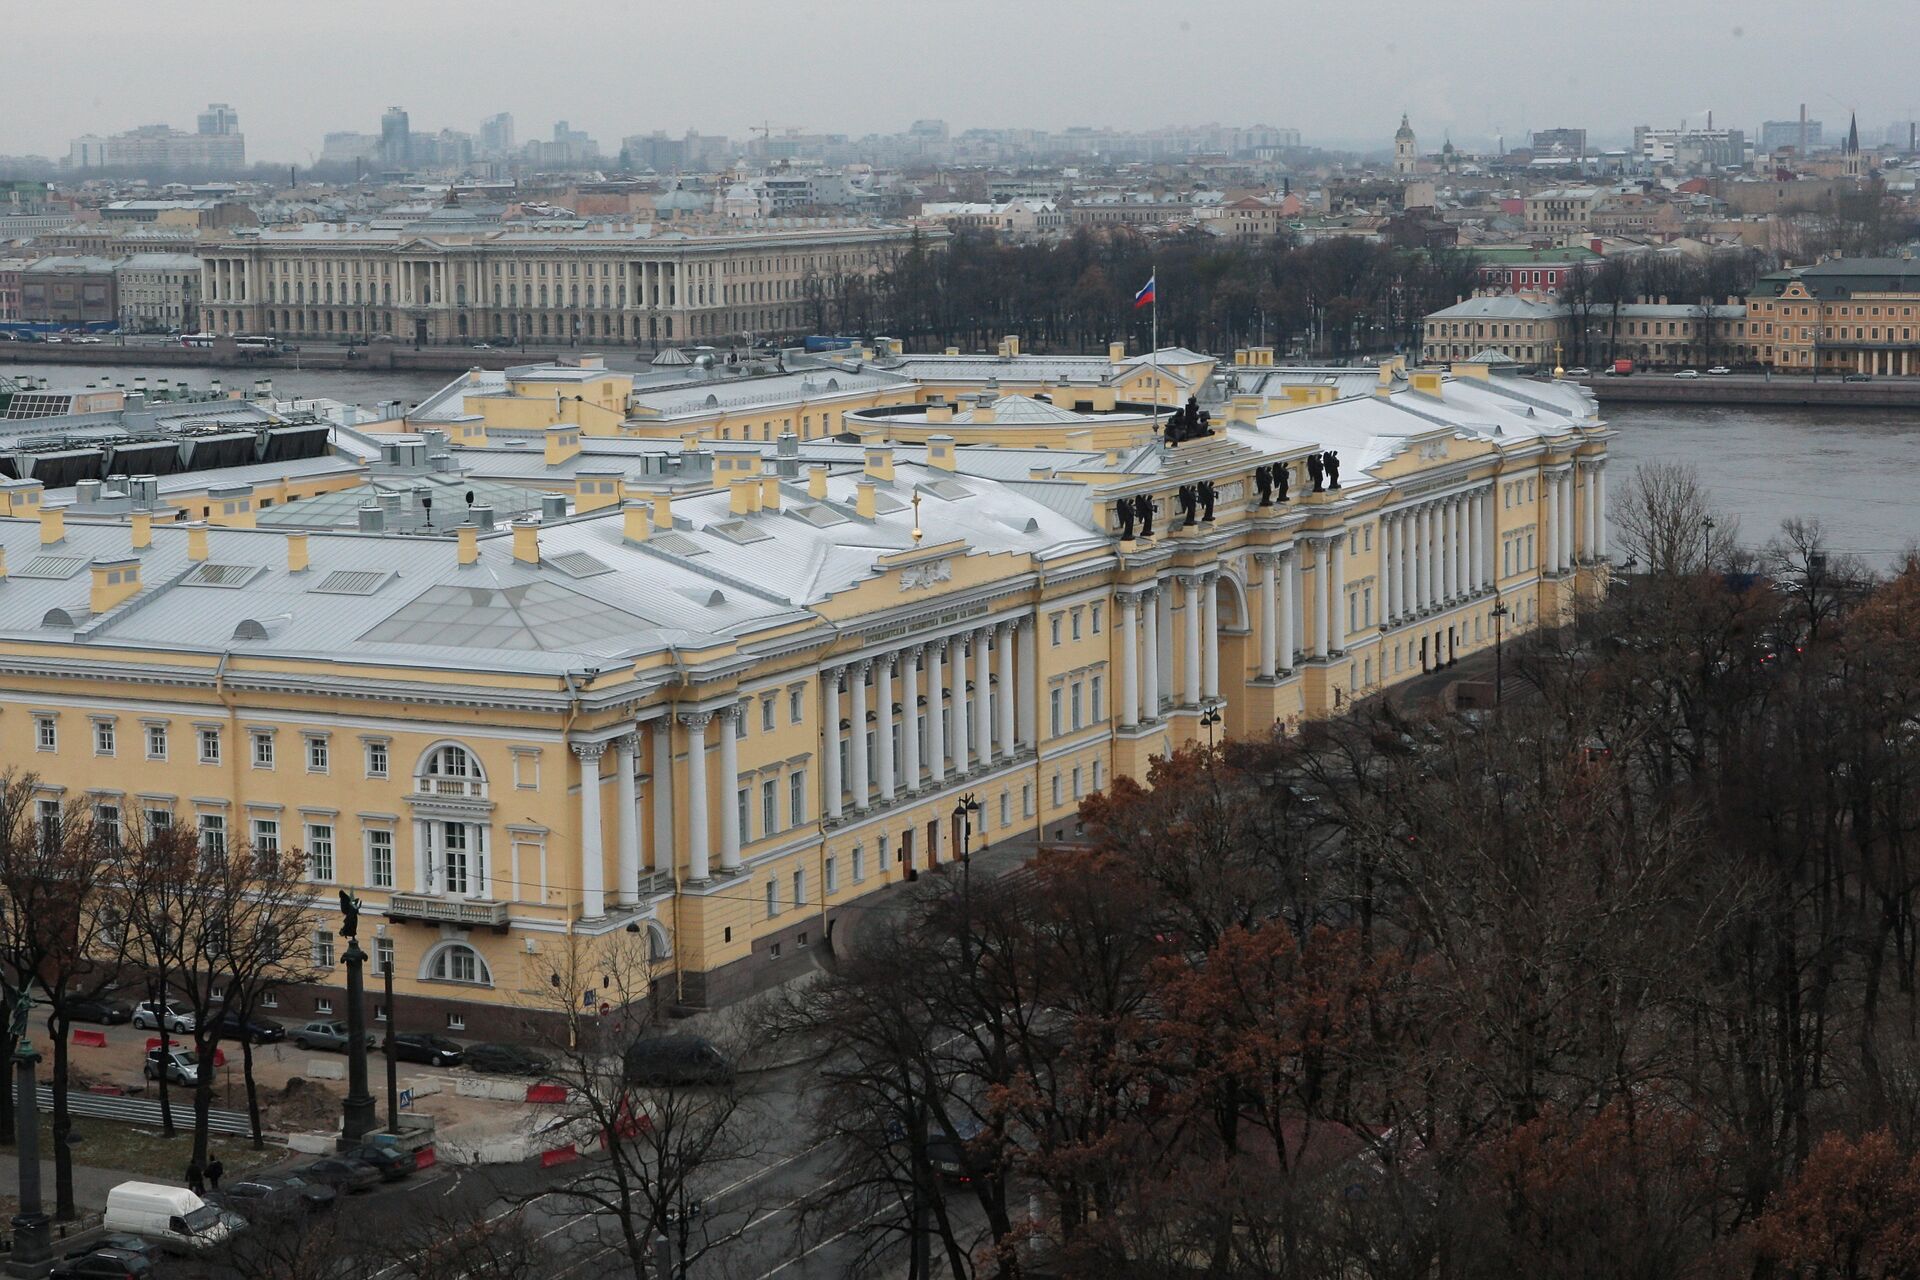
point(425, 1158)
point(546, 1093)
point(95, 1039)
point(559, 1155)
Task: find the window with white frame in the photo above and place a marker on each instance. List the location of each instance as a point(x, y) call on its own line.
point(157, 819)
point(742, 812)
point(766, 714)
point(1054, 623)
point(1078, 716)
point(1096, 775)
point(1006, 808)
point(773, 898)
point(319, 758)
point(377, 762)
point(213, 836)
point(1076, 624)
point(383, 955)
point(156, 742)
point(796, 704)
point(1096, 619)
point(323, 948)
point(266, 839)
point(46, 733)
point(800, 888)
point(456, 1022)
point(262, 750)
point(322, 1005)
point(209, 746)
point(106, 821)
point(797, 796)
point(320, 851)
point(859, 864)
point(380, 858)
point(1055, 709)
point(1026, 799)
point(1076, 782)
point(103, 738)
point(769, 806)
point(1093, 693)
point(459, 963)
point(1056, 790)
point(831, 872)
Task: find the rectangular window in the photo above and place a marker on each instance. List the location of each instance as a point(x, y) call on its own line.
point(773, 899)
point(1093, 693)
point(1006, 808)
point(317, 757)
point(1096, 769)
point(797, 796)
point(741, 812)
point(1076, 782)
point(266, 839)
point(46, 733)
point(209, 746)
point(739, 718)
point(106, 819)
point(766, 714)
point(796, 704)
point(1096, 619)
point(859, 864)
point(380, 859)
point(213, 836)
point(49, 811)
point(263, 751)
point(1076, 624)
point(158, 819)
point(800, 888)
point(769, 806)
point(881, 851)
point(456, 1022)
point(1054, 621)
point(1054, 707)
point(1026, 799)
point(382, 955)
point(1056, 790)
point(322, 1005)
point(319, 851)
point(103, 738)
point(156, 742)
point(832, 874)
point(1077, 719)
point(376, 759)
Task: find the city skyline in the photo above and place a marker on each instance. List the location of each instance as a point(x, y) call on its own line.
point(825, 80)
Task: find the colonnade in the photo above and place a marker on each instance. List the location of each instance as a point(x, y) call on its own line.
point(1436, 553)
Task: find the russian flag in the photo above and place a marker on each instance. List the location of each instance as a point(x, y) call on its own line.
point(1145, 296)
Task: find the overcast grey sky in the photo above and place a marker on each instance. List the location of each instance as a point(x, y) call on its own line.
point(1342, 72)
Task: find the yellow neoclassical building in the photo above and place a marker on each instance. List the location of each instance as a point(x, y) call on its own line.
point(748, 690)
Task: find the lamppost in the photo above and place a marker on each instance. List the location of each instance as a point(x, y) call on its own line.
point(1499, 657)
point(32, 1249)
point(1707, 524)
point(1209, 718)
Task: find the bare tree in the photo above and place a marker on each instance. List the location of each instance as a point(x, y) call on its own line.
point(1668, 524)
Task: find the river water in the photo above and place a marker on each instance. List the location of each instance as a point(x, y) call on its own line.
point(1854, 470)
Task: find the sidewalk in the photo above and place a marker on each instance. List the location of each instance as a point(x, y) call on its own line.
point(90, 1185)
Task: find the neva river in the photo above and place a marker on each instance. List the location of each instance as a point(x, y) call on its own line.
point(1856, 471)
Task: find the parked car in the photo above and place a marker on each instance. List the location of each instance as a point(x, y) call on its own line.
point(1857, 377)
point(1719, 368)
point(676, 1060)
point(102, 1010)
point(256, 1030)
point(173, 1218)
point(275, 1197)
point(105, 1264)
point(1579, 371)
point(506, 1059)
point(392, 1165)
point(148, 1015)
point(1687, 373)
point(88, 339)
point(343, 1173)
point(326, 1035)
point(419, 1046)
point(122, 1241)
point(182, 1066)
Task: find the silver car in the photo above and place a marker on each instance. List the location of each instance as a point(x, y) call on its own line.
point(326, 1035)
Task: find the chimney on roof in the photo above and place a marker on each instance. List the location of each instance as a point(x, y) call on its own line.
point(372, 518)
point(769, 493)
point(817, 481)
point(1116, 352)
point(469, 544)
point(553, 507)
point(197, 541)
point(864, 502)
point(940, 453)
point(636, 520)
point(743, 496)
point(562, 444)
point(663, 511)
point(297, 553)
point(53, 525)
point(880, 462)
point(526, 541)
point(142, 530)
point(113, 581)
point(3, 564)
point(983, 411)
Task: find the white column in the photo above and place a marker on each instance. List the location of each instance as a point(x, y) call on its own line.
point(1472, 548)
point(1552, 523)
point(1317, 610)
point(860, 783)
point(936, 717)
point(1337, 596)
point(1210, 639)
point(697, 797)
point(593, 869)
point(662, 789)
point(1566, 519)
point(626, 887)
point(1027, 670)
point(982, 698)
point(1269, 614)
point(1190, 629)
point(1430, 555)
point(910, 722)
point(1600, 510)
point(1163, 646)
point(1129, 660)
point(883, 731)
point(1490, 545)
point(1449, 588)
point(1150, 665)
point(1417, 560)
point(1389, 587)
point(730, 788)
point(1006, 636)
point(1288, 576)
point(1593, 513)
point(1459, 549)
point(959, 725)
point(830, 741)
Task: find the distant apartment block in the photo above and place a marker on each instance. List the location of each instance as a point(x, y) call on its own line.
point(217, 144)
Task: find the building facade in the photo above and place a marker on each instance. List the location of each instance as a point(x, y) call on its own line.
point(587, 284)
point(77, 291)
point(709, 717)
point(157, 292)
point(1844, 315)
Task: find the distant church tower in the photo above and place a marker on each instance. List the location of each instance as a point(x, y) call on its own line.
point(1406, 152)
point(1855, 164)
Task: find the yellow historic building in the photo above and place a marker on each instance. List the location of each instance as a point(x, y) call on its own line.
point(1842, 315)
point(746, 686)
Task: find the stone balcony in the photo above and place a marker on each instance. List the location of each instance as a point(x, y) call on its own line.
point(432, 909)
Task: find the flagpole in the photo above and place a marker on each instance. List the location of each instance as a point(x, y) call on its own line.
point(1153, 279)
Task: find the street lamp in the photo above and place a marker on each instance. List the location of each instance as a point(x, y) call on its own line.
point(965, 809)
point(1499, 657)
point(1209, 718)
point(1707, 524)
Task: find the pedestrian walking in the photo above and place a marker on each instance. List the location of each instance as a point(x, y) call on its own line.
point(214, 1170)
point(195, 1182)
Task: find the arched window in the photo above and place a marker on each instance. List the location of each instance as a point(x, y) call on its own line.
point(451, 761)
point(658, 948)
point(456, 962)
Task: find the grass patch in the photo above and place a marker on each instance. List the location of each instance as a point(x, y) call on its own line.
point(108, 1144)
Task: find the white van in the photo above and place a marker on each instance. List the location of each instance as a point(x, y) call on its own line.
point(172, 1217)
